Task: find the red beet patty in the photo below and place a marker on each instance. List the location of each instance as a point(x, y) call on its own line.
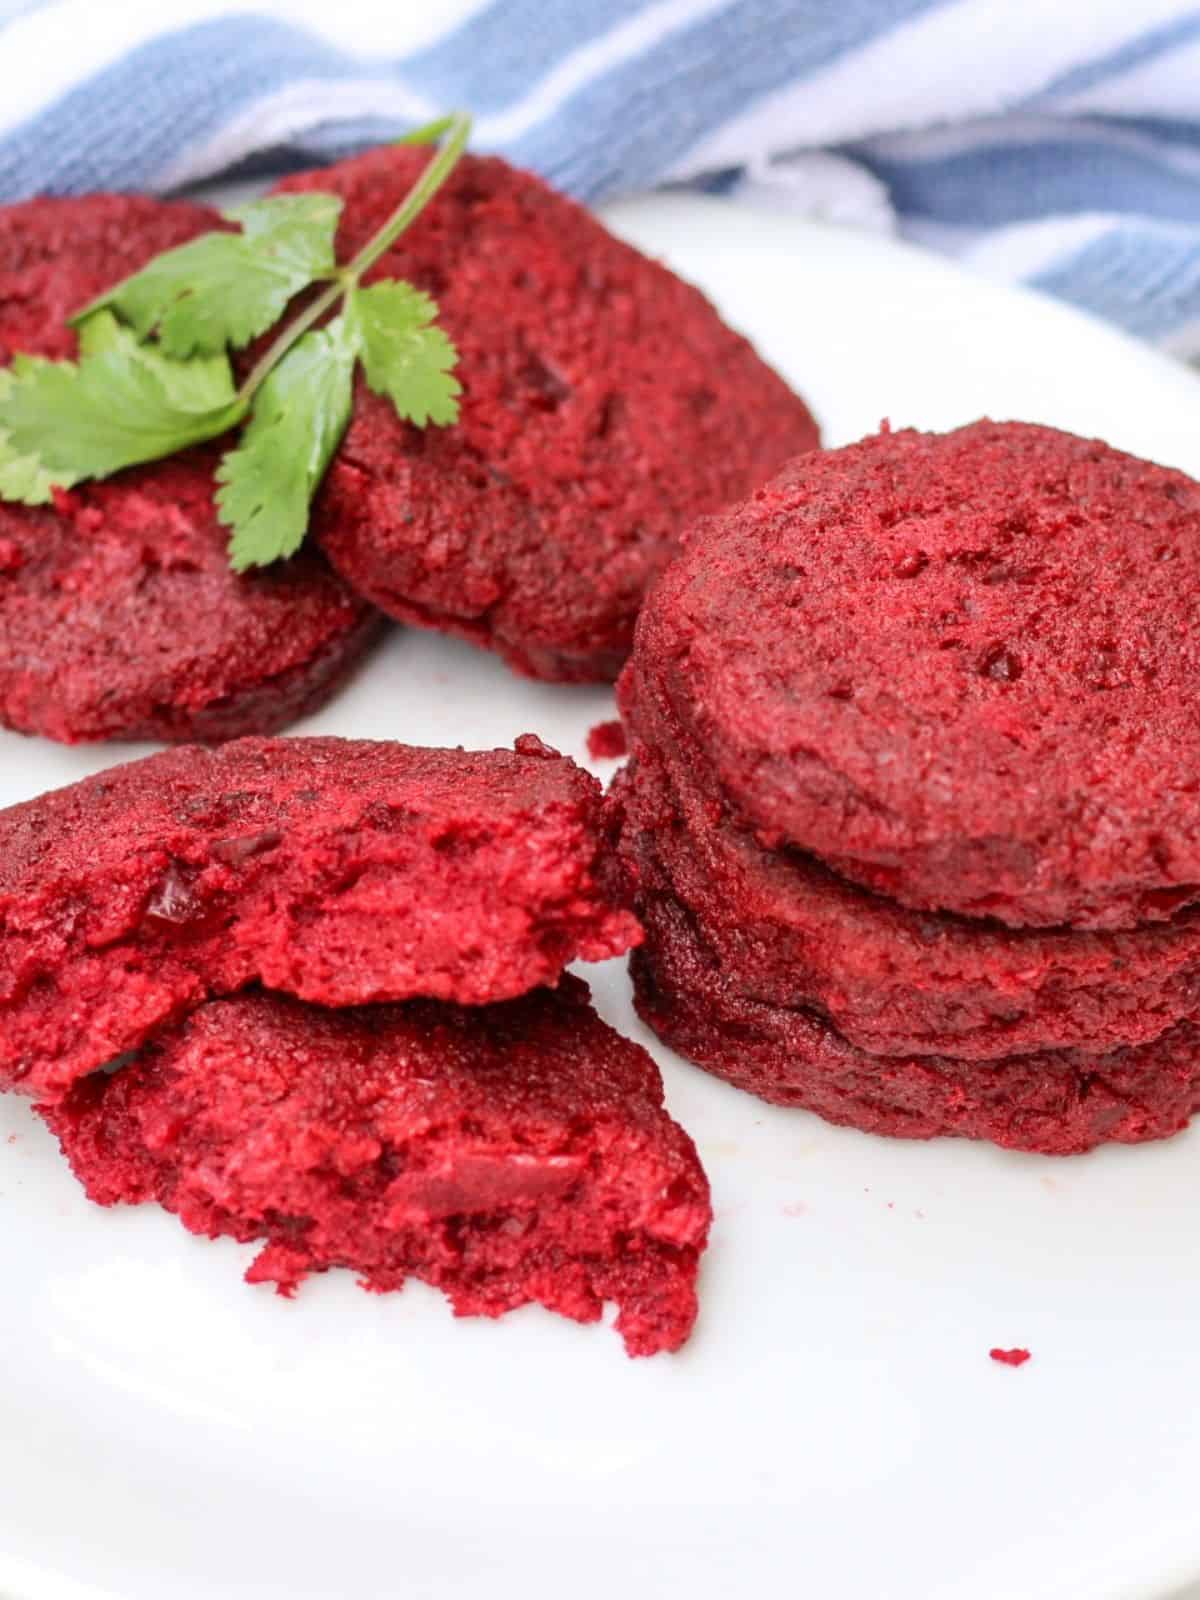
point(1054, 1102)
point(605, 406)
point(344, 872)
point(895, 981)
point(119, 616)
point(506, 1154)
point(959, 668)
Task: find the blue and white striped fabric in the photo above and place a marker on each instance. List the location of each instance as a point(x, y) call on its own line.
point(1056, 141)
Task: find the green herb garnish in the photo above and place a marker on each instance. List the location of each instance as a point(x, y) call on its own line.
point(154, 376)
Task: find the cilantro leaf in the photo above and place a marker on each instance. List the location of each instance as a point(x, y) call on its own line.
point(299, 417)
point(200, 384)
point(22, 477)
point(227, 288)
point(300, 227)
point(405, 356)
point(120, 404)
point(154, 376)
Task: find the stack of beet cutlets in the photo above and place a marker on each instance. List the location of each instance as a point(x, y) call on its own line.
point(913, 814)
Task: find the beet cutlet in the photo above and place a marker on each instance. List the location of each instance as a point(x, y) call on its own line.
point(119, 615)
point(1054, 1102)
point(786, 930)
point(343, 872)
point(605, 406)
point(959, 668)
point(507, 1154)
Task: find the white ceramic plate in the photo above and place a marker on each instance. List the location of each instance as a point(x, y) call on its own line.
point(835, 1428)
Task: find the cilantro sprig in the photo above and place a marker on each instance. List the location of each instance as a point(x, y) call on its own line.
point(153, 374)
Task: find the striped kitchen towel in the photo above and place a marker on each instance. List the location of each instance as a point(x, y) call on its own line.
point(1055, 141)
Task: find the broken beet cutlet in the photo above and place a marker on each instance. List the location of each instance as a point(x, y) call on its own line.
point(605, 406)
point(119, 615)
point(505, 1154)
point(972, 681)
point(1053, 1102)
point(342, 871)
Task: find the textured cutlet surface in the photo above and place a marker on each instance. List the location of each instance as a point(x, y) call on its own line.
point(959, 668)
point(895, 981)
point(505, 1154)
point(605, 406)
point(341, 871)
point(1053, 1102)
point(119, 615)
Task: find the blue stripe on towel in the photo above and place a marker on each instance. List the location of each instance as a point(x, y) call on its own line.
point(176, 90)
point(495, 58)
point(1133, 53)
point(993, 185)
point(628, 129)
point(1148, 282)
